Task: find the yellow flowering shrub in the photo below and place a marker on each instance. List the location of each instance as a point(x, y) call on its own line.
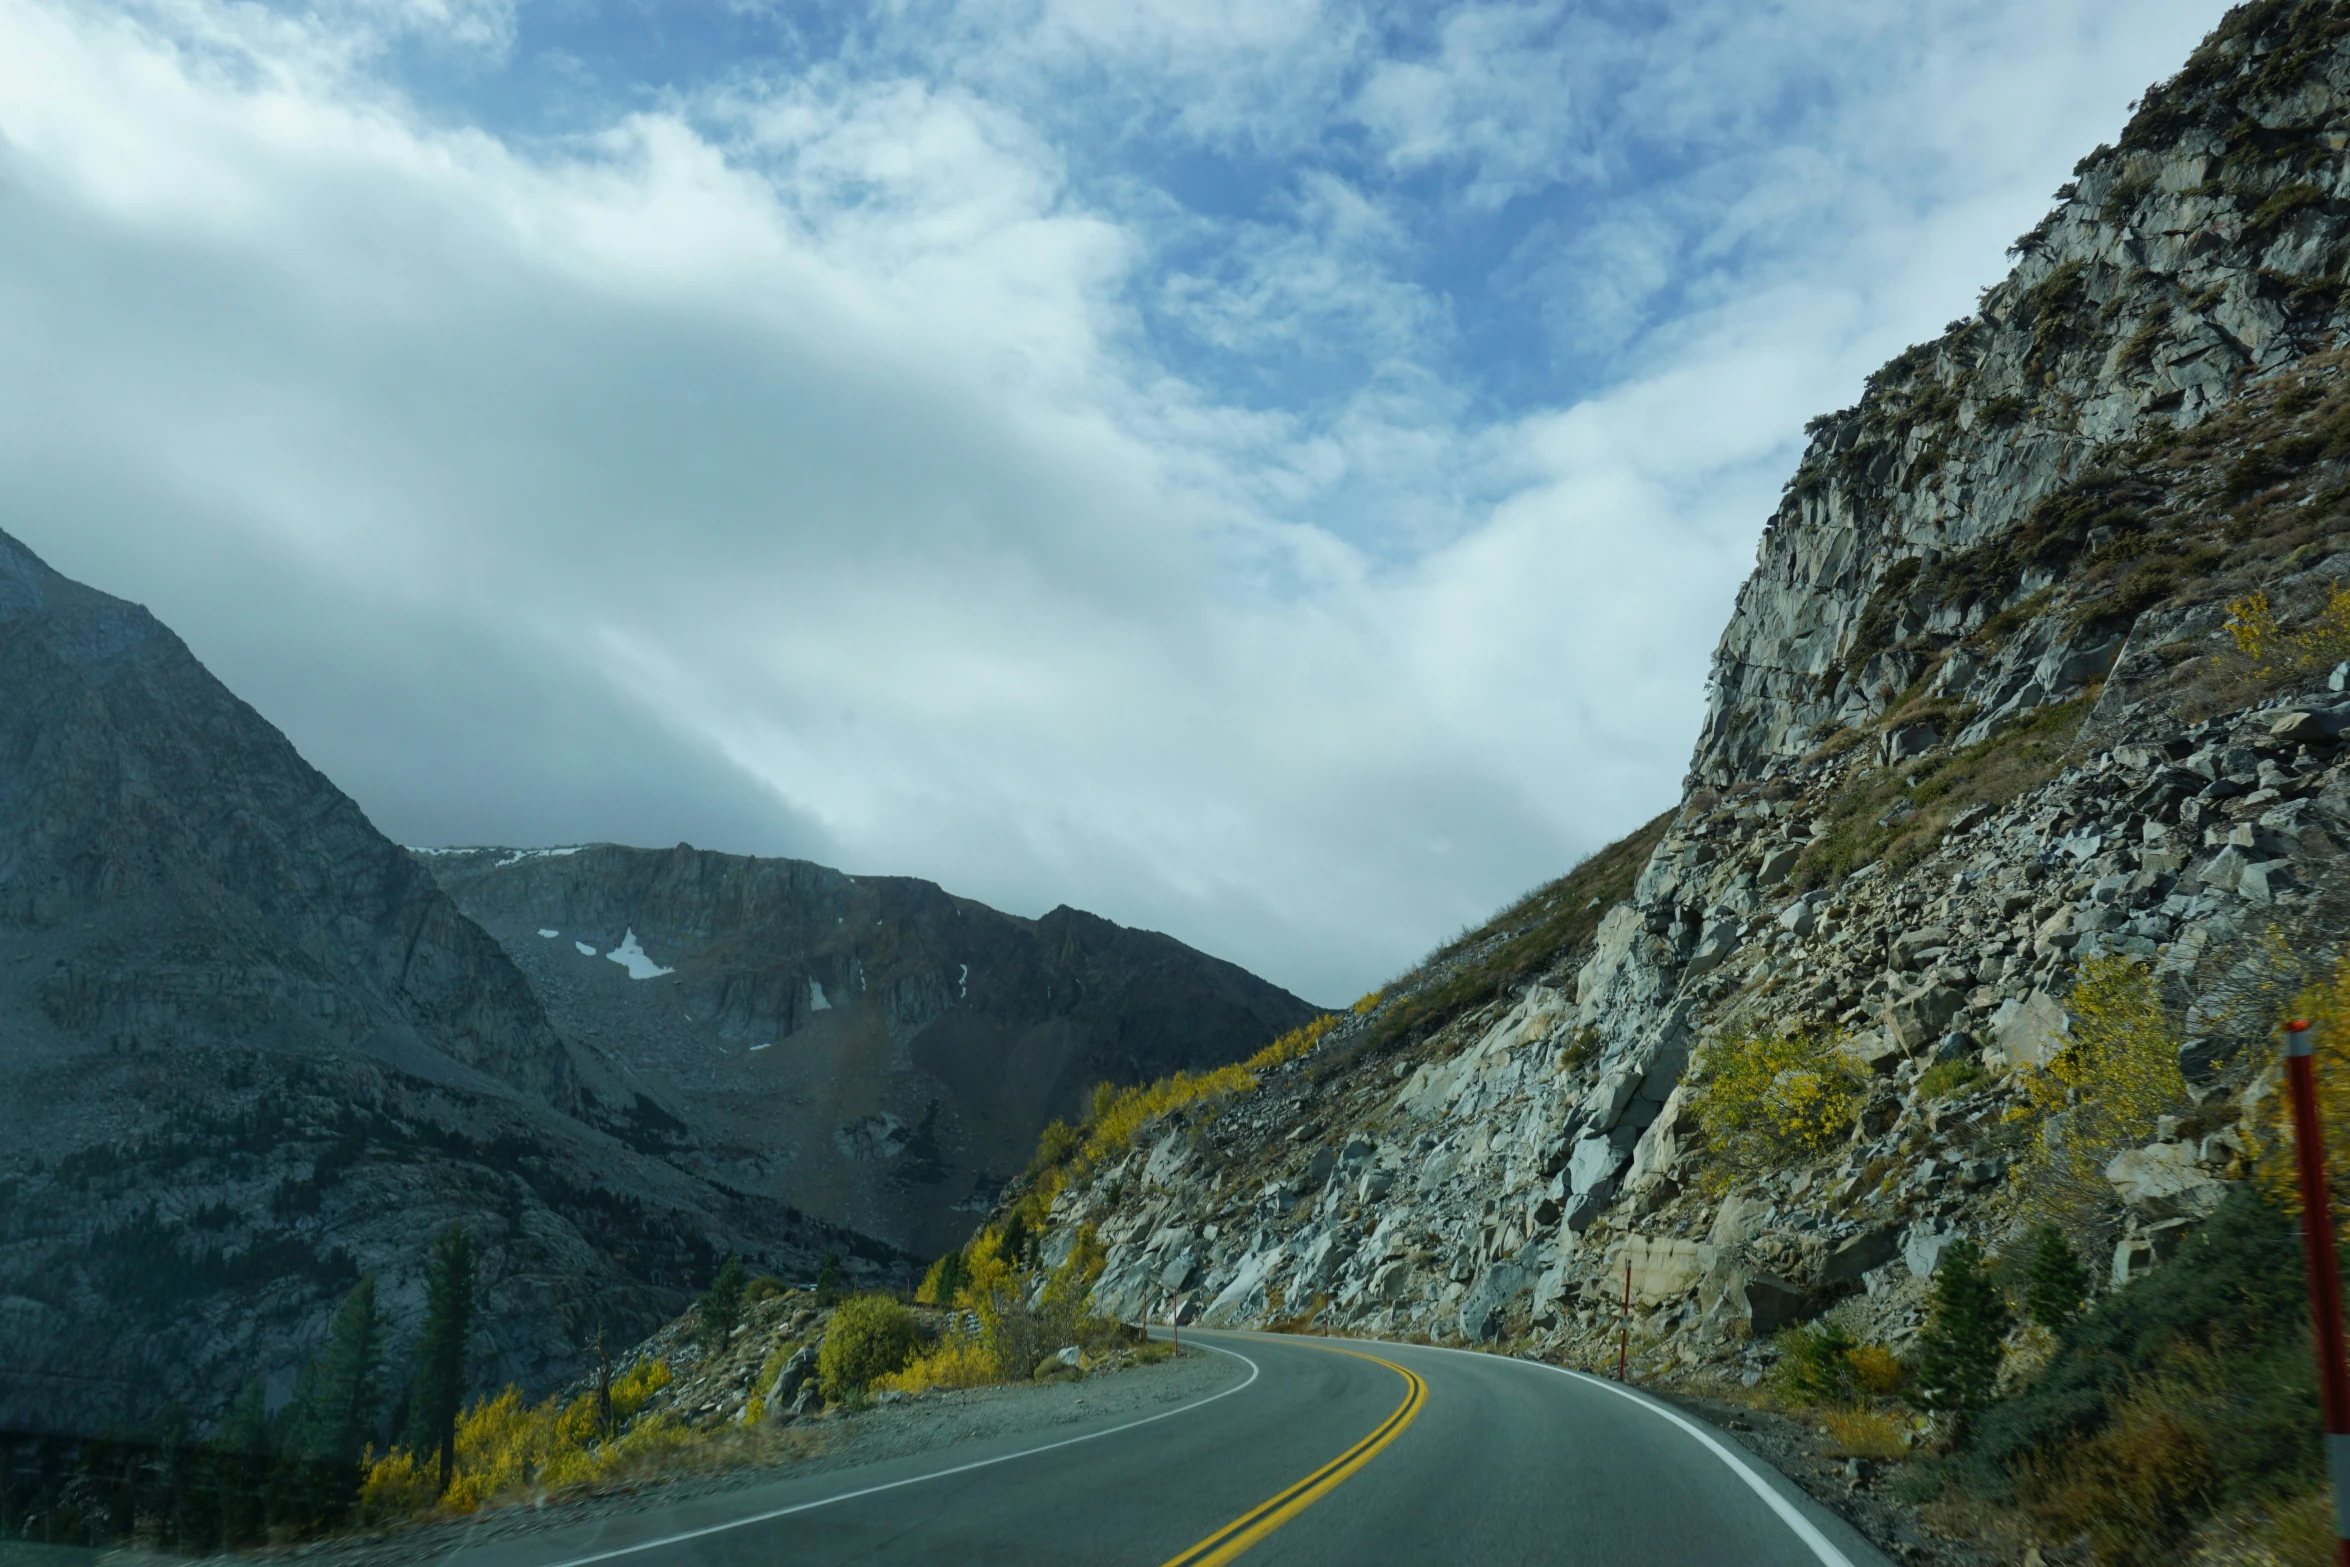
point(2272, 650)
point(396, 1486)
point(2326, 1005)
point(505, 1445)
point(1767, 1100)
point(1297, 1041)
point(2103, 1092)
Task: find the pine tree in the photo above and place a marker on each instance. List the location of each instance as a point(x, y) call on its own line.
point(2057, 1284)
point(440, 1357)
point(1958, 1354)
point(828, 1280)
point(952, 1276)
point(340, 1391)
point(722, 1307)
point(245, 1428)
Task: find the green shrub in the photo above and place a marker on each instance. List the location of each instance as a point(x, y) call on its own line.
point(870, 1336)
point(1945, 1078)
point(2227, 1319)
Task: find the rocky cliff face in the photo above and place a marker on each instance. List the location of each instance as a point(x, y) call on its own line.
point(1978, 719)
point(249, 1049)
point(868, 1048)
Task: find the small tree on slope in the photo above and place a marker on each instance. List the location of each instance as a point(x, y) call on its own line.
point(1958, 1355)
point(2057, 1284)
point(440, 1358)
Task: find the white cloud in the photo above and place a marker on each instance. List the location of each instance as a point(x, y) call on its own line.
point(796, 463)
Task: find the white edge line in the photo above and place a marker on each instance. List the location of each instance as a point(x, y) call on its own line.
point(1805, 1530)
point(937, 1474)
point(1789, 1513)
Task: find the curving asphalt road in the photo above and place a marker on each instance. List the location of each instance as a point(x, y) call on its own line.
point(1320, 1451)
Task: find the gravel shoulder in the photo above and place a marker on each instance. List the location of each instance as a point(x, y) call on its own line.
point(1865, 1501)
point(841, 1441)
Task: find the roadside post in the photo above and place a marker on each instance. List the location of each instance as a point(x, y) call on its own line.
point(2325, 1278)
point(1624, 1341)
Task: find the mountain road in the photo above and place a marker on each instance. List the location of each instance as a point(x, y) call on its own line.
point(1317, 1451)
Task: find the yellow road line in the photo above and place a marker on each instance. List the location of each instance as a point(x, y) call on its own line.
point(1244, 1532)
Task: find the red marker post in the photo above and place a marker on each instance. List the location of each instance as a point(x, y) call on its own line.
point(1624, 1343)
point(2325, 1278)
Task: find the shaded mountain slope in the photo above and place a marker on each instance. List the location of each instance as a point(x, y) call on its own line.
point(249, 1049)
point(869, 1048)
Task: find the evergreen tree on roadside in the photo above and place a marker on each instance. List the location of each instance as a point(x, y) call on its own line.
point(341, 1390)
point(722, 1306)
point(828, 1289)
point(953, 1274)
point(1958, 1354)
point(2057, 1283)
point(439, 1391)
point(245, 1428)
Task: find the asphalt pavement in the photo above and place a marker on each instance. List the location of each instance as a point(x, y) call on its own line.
point(1319, 1451)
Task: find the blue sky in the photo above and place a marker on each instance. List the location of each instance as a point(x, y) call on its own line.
point(1270, 472)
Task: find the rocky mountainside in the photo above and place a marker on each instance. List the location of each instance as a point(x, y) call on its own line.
point(1984, 716)
point(249, 1050)
point(868, 1048)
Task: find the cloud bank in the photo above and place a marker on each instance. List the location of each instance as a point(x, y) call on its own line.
point(1270, 472)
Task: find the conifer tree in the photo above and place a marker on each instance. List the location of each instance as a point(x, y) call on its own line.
point(1958, 1354)
point(828, 1280)
point(952, 1276)
point(440, 1357)
point(245, 1428)
point(340, 1391)
point(2057, 1284)
point(722, 1306)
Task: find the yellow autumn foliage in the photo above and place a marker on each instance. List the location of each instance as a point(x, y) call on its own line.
point(1293, 1044)
point(505, 1445)
point(1768, 1099)
point(2273, 650)
point(2326, 1005)
point(1120, 1113)
point(2116, 1075)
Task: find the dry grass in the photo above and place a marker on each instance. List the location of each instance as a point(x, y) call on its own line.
point(2011, 763)
point(1864, 1433)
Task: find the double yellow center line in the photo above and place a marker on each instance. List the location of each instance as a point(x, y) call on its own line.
point(1252, 1526)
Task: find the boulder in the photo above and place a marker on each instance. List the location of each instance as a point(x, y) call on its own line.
point(1922, 1248)
point(2140, 1250)
point(1604, 1105)
point(1663, 1268)
point(1910, 943)
point(2163, 1181)
point(1907, 742)
point(1764, 1302)
point(2028, 1032)
point(1739, 1220)
point(1482, 1308)
point(1874, 1049)
point(1593, 1164)
point(1581, 1210)
point(1916, 1020)
point(797, 1377)
point(1776, 865)
point(2262, 880)
point(1855, 1255)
